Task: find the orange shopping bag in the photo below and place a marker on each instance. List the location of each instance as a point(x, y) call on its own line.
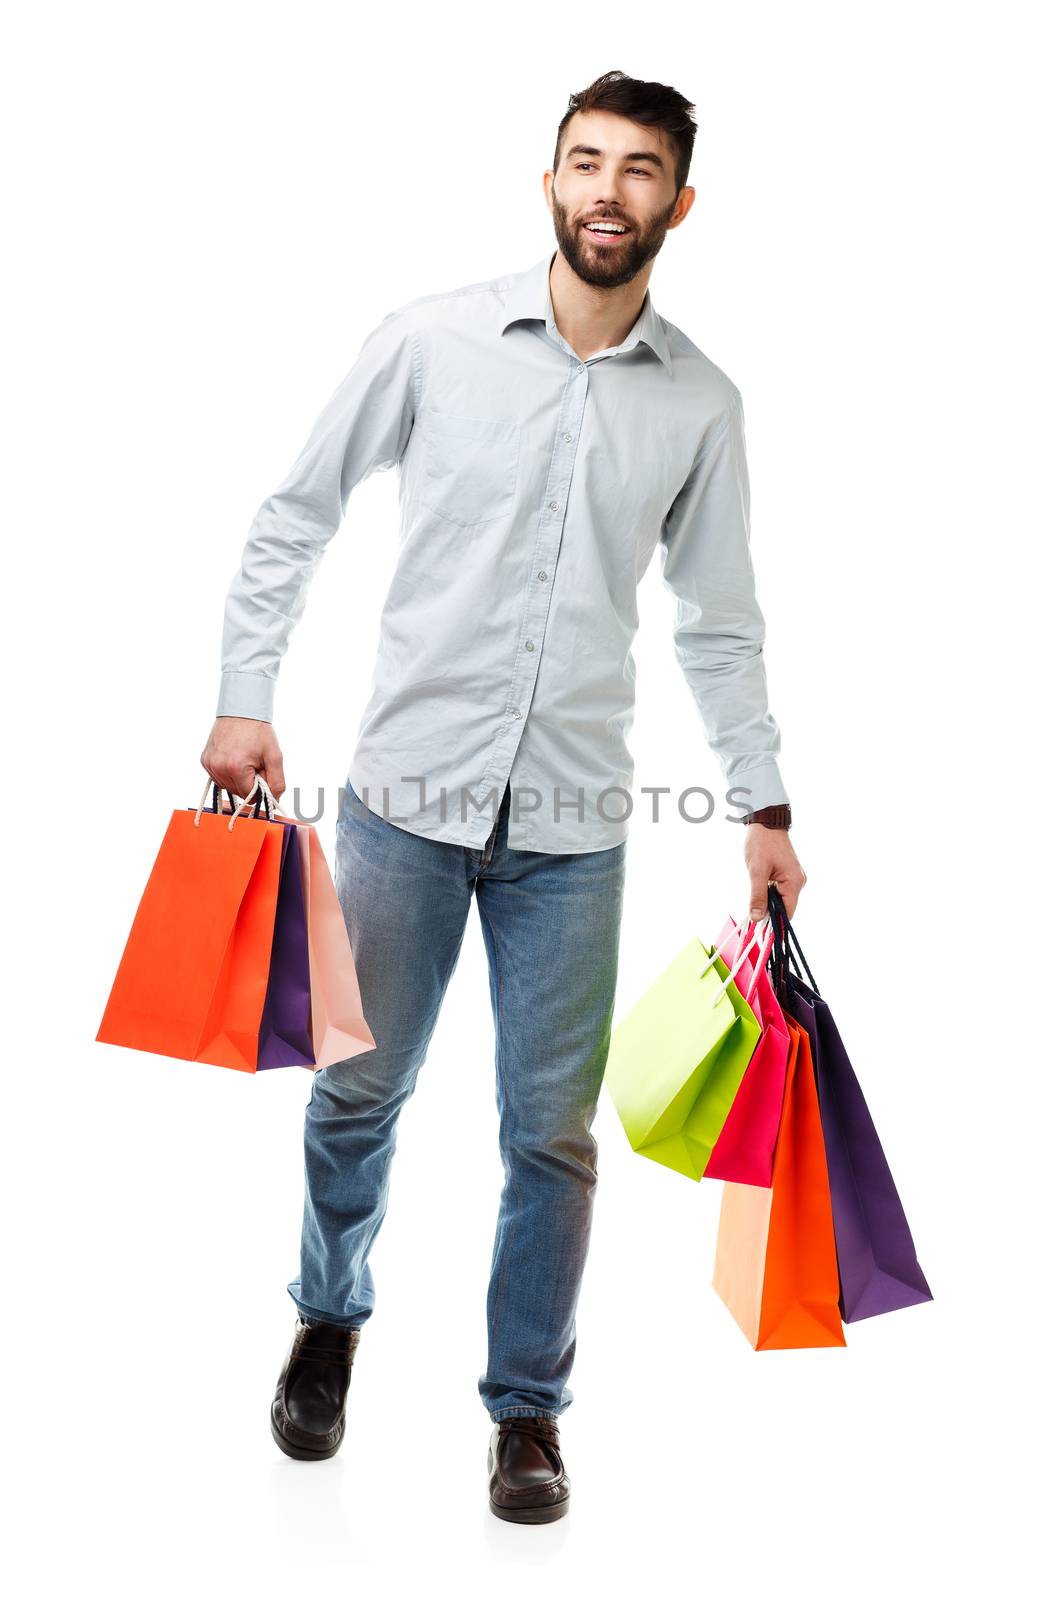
point(193, 976)
point(776, 1266)
point(338, 1025)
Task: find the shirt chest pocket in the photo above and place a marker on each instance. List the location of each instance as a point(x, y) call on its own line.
point(470, 467)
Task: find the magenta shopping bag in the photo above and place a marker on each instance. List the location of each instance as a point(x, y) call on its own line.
point(743, 1152)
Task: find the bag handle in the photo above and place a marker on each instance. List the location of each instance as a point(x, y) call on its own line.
point(266, 795)
point(215, 805)
point(783, 959)
point(265, 798)
point(740, 928)
point(764, 936)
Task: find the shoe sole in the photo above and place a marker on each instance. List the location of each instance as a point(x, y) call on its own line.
point(300, 1452)
point(531, 1513)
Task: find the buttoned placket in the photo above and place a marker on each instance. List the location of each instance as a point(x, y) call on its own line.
point(544, 560)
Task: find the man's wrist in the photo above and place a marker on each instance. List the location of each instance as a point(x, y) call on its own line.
point(246, 694)
point(778, 816)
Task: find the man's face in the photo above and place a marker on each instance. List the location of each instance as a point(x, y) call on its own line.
point(613, 171)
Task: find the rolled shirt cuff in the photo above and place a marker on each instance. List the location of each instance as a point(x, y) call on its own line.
point(246, 694)
point(758, 787)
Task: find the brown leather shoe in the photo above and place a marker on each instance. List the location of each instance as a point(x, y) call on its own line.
point(308, 1410)
point(528, 1480)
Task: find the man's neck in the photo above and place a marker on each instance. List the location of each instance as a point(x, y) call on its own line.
point(591, 318)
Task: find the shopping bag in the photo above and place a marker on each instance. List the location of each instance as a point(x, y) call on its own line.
point(775, 1263)
point(877, 1257)
point(285, 1025)
point(676, 1060)
point(192, 979)
point(338, 1026)
point(744, 1150)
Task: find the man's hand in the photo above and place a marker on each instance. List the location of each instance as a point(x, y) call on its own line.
point(771, 859)
point(240, 747)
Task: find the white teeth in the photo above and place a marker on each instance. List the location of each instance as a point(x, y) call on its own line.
point(605, 227)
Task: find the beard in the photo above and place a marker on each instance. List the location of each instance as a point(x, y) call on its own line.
point(609, 266)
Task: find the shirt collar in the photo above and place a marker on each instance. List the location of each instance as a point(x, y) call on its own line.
point(528, 297)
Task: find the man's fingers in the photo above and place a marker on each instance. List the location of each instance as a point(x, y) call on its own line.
point(790, 883)
point(240, 749)
point(274, 776)
point(790, 899)
point(759, 893)
point(235, 780)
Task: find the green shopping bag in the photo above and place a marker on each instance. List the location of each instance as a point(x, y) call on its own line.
point(677, 1059)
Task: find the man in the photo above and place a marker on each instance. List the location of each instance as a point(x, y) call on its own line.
point(552, 431)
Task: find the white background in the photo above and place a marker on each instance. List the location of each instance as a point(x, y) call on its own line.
point(209, 206)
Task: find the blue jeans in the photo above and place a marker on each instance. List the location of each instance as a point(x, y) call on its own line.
point(551, 927)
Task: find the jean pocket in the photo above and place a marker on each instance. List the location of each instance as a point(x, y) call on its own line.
point(470, 467)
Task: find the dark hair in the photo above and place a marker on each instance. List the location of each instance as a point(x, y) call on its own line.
point(655, 105)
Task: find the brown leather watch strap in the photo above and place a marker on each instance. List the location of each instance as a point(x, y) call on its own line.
point(772, 816)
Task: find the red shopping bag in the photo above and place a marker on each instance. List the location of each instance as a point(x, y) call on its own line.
point(193, 976)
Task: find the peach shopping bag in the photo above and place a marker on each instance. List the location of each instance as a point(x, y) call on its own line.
point(776, 1265)
point(338, 1025)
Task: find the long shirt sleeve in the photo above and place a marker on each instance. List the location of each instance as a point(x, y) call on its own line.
point(719, 630)
point(363, 428)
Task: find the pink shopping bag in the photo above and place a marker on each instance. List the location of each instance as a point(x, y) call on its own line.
point(744, 1150)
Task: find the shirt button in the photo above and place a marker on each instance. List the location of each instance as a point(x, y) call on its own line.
point(529, 645)
point(516, 713)
point(542, 577)
point(567, 438)
point(554, 505)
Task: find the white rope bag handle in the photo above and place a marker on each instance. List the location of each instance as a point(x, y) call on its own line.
point(740, 928)
point(259, 785)
point(763, 940)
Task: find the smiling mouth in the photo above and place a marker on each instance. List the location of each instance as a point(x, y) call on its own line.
point(606, 232)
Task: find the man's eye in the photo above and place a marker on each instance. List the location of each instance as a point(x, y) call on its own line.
point(643, 173)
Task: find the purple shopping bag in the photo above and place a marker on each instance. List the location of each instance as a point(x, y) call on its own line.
point(285, 1026)
point(877, 1258)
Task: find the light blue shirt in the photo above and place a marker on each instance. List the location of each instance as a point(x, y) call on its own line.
point(534, 489)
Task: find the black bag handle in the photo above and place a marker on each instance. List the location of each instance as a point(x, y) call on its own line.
point(782, 959)
point(779, 956)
